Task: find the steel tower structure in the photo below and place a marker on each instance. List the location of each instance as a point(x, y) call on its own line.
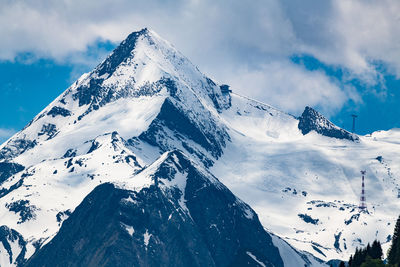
point(363, 203)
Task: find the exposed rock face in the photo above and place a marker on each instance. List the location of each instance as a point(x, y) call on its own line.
point(59, 111)
point(174, 119)
point(15, 147)
point(8, 169)
point(312, 120)
point(14, 245)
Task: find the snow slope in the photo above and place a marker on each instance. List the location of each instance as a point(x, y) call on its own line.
point(306, 188)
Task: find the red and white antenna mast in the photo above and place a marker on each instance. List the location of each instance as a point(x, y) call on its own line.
point(363, 203)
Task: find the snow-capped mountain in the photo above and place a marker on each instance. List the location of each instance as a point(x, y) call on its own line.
point(148, 149)
point(183, 216)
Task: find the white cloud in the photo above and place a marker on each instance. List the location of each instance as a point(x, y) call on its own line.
point(354, 34)
point(5, 134)
point(290, 87)
point(252, 39)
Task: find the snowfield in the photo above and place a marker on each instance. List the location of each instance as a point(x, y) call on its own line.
point(285, 174)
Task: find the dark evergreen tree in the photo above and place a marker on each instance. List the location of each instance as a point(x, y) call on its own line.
point(342, 264)
point(368, 248)
point(357, 259)
point(370, 254)
point(394, 251)
point(369, 262)
point(365, 252)
point(376, 250)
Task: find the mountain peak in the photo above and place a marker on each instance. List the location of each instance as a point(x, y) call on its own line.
point(312, 120)
point(143, 64)
point(120, 54)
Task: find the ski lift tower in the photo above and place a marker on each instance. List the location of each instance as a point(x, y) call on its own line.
point(363, 203)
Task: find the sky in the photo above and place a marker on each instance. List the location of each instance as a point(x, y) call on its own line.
point(340, 57)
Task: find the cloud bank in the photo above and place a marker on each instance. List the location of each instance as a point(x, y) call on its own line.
point(247, 44)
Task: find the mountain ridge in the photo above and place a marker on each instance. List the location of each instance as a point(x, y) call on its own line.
point(312, 120)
